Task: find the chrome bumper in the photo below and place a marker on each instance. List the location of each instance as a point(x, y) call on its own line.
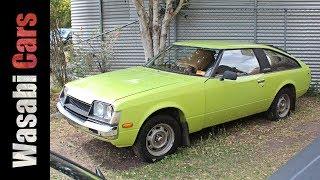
point(103, 131)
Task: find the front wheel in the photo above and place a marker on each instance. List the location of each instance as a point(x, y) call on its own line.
point(158, 137)
point(281, 105)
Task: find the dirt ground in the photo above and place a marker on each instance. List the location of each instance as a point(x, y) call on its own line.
point(249, 148)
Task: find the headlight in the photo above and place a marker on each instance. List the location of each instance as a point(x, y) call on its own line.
point(102, 110)
point(63, 95)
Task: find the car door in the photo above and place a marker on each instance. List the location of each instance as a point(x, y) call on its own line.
point(231, 99)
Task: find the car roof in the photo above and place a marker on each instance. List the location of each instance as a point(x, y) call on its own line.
point(219, 44)
point(226, 44)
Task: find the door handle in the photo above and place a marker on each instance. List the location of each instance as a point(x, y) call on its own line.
point(261, 81)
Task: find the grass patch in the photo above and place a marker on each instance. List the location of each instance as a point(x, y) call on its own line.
point(248, 148)
point(211, 156)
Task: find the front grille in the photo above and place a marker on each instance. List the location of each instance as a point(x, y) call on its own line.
point(79, 104)
point(80, 109)
point(80, 116)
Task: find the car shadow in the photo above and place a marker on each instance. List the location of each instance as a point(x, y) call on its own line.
point(230, 127)
point(112, 158)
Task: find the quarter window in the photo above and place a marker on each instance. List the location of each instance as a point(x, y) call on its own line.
point(242, 61)
point(279, 62)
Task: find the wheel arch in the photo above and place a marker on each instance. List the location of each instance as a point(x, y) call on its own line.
point(290, 85)
point(177, 113)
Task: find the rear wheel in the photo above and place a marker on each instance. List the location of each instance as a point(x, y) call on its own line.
point(158, 137)
point(281, 105)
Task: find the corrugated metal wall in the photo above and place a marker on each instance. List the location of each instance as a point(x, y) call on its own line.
point(303, 38)
point(216, 24)
point(289, 4)
point(290, 24)
point(85, 20)
point(128, 47)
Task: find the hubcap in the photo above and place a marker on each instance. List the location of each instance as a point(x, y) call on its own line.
point(160, 139)
point(283, 106)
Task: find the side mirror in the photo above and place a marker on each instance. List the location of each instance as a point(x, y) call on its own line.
point(229, 75)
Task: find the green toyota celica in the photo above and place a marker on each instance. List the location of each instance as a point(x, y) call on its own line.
point(189, 86)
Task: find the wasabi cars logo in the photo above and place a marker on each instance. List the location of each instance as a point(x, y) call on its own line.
point(25, 92)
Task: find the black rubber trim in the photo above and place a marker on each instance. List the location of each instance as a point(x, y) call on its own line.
point(185, 134)
point(216, 65)
point(262, 59)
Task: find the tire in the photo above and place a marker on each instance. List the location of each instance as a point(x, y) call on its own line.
point(158, 137)
point(281, 105)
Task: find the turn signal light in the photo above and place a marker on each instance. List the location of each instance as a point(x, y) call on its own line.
point(127, 125)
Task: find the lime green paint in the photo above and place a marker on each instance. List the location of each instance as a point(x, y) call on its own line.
point(139, 91)
point(124, 82)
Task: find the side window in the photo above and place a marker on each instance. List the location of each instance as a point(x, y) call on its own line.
point(280, 62)
point(242, 61)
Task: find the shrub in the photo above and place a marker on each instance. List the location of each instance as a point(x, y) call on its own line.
point(314, 89)
point(88, 58)
point(58, 63)
point(70, 61)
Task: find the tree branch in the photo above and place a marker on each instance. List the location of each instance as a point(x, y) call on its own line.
point(156, 27)
point(168, 17)
point(167, 14)
point(179, 7)
point(150, 14)
point(173, 14)
point(139, 4)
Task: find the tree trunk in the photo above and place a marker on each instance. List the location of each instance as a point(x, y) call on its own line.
point(156, 27)
point(153, 33)
point(165, 24)
point(147, 44)
point(144, 29)
point(150, 16)
point(168, 17)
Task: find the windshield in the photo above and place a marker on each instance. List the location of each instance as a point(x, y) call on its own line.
point(185, 60)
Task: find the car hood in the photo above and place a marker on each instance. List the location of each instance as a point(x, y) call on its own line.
point(115, 85)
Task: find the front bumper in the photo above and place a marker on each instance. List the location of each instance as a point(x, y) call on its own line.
point(103, 131)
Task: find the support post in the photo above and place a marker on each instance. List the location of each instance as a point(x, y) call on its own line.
point(285, 28)
point(255, 9)
point(101, 17)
